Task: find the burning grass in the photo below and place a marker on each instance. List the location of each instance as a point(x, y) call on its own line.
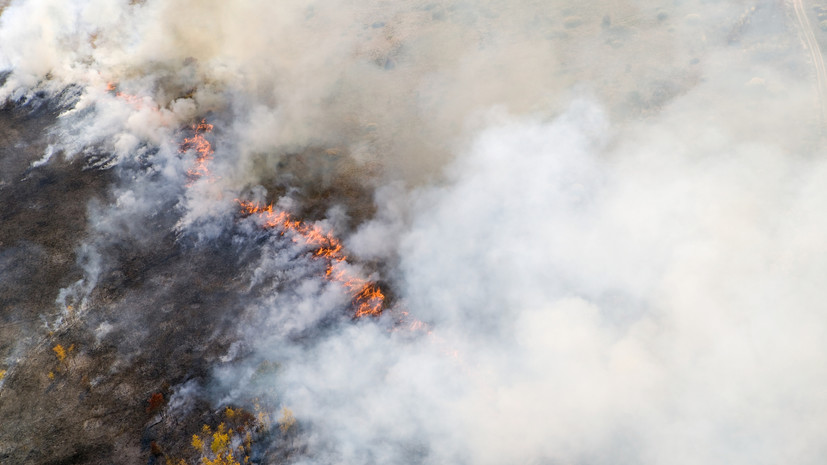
point(368, 299)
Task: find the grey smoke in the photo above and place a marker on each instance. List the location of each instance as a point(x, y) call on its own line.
point(612, 228)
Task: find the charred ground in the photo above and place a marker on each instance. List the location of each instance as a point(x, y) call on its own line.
point(93, 381)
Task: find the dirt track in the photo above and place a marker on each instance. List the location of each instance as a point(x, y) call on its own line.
point(806, 30)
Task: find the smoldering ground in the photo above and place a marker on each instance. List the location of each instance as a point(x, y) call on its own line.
point(596, 225)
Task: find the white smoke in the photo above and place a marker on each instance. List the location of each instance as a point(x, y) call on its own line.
point(591, 303)
point(607, 215)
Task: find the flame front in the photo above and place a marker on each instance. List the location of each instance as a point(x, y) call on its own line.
point(368, 298)
point(134, 100)
point(203, 150)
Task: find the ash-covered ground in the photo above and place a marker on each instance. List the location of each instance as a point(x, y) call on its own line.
point(414, 232)
point(160, 314)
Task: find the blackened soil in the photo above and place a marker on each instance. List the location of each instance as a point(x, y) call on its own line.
point(42, 219)
point(162, 312)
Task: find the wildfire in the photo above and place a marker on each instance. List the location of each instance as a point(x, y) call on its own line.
point(131, 99)
point(202, 147)
point(368, 298)
point(198, 142)
point(134, 100)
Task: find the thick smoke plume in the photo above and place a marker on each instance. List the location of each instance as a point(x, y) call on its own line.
point(598, 225)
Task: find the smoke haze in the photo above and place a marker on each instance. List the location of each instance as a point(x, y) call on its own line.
point(598, 224)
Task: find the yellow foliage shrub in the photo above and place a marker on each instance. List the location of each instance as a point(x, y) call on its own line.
point(197, 442)
point(219, 442)
point(287, 420)
point(60, 352)
point(216, 445)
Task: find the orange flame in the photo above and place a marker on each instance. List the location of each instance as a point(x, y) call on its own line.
point(134, 100)
point(202, 147)
point(131, 99)
point(368, 298)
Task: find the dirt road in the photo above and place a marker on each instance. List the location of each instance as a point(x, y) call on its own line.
point(818, 59)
